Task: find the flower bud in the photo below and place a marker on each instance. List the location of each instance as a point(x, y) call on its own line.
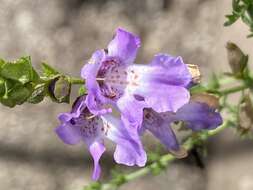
point(236, 58)
point(245, 116)
point(59, 89)
point(210, 99)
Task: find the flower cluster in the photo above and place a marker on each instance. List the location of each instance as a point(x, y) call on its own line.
point(124, 100)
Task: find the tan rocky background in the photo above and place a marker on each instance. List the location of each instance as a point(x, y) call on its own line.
point(65, 33)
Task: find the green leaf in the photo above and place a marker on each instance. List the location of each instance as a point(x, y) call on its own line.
point(1, 63)
point(20, 70)
point(20, 94)
point(48, 71)
point(8, 85)
point(37, 95)
point(247, 19)
point(248, 2)
point(235, 5)
point(7, 102)
point(231, 19)
point(15, 94)
point(2, 86)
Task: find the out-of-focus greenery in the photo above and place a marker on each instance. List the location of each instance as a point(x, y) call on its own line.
point(241, 9)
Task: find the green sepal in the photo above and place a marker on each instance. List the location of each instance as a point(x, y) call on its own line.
point(59, 89)
point(48, 71)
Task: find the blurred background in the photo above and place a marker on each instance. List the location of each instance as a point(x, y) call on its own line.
point(65, 33)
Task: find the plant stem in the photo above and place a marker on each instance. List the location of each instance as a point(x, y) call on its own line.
point(74, 80)
point(233, 89)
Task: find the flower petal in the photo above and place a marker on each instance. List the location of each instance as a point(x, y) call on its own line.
point(199, 116)
point(96, 149)
point(129, 150)
point(94, 99)
point(132, 109)
point(163, 98)
point(170, 70)
point(124, 45)
point(162, 83)
point(166, 135)
point(127, 155)
point(89, 70)
point(95, 102)
point(68, 134)
point(161, 129)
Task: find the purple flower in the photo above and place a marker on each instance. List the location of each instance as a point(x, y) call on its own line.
point(113, 78)
point(197, 116)
point(81, 125)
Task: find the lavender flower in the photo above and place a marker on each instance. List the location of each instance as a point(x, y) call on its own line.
point(112, 78)
point(81, 125)
point(197, 116)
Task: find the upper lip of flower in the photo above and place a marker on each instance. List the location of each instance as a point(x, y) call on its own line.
point(111, 77)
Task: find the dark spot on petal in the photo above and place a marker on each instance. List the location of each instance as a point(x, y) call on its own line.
point(72, 121)
point(139, 98)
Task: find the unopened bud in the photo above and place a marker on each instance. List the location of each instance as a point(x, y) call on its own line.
point(236, 58)
point(195, 73)
point(245, 115)
point(59, 89)
point(210, 99)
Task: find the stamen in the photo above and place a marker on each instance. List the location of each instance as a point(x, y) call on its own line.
point(100, 79)
point(90, 117)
